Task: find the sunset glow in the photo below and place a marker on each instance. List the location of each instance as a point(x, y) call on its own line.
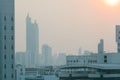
point(112, 2)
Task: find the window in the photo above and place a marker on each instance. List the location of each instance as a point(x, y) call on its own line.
point(12, 66)
point(11, 37)
point(5, 47)
point(5, 76)
point(5, 37)
point(105, 61)
point(21, 70)
point(74, 61)
point(5, 27)
point(12, 76)
point(118, 50)
point(105, 57)
point(12, 19)
point(5, 57)
point(12, 57)
point(5, 18)
point(5, 66)
point(12, 47)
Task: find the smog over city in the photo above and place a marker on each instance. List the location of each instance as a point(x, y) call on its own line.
point(68, 25)
point(59, 39)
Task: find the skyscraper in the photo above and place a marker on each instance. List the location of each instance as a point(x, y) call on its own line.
point(101, 46)
point(32, 40)
point(118, 37)
point(7, 40)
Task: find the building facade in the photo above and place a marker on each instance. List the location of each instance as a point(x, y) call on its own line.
point(7, 49)
point(106, 58)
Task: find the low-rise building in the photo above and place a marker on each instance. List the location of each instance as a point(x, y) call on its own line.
point(20, 72)
point(106, 58)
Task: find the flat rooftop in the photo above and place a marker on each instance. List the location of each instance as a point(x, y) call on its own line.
point(96, 66)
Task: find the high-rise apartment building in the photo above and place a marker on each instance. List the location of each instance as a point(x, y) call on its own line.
point(32, 40)
point(7, 49)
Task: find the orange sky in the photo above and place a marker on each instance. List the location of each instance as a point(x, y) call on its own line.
point(67, 25)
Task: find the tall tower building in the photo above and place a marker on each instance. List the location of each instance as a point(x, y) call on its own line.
point(118, 37)
point(32, 40)
point(7, 40)
point(101, 46)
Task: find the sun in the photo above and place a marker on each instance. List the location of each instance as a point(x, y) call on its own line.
point(112, 2)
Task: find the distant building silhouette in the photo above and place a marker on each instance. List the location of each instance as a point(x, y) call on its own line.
point(118, 37)
point(61, 60)
point(7, 49)
point(47, 55)
point(32, 41)
point(20, 58)
point(86, 52)
point(80, 51)
point(101, 46)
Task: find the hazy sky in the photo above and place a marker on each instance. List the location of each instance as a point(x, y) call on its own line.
point(66, 25)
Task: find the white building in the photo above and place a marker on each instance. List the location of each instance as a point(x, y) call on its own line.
point(105, 66)
point(106, 58)
point(7, 40)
